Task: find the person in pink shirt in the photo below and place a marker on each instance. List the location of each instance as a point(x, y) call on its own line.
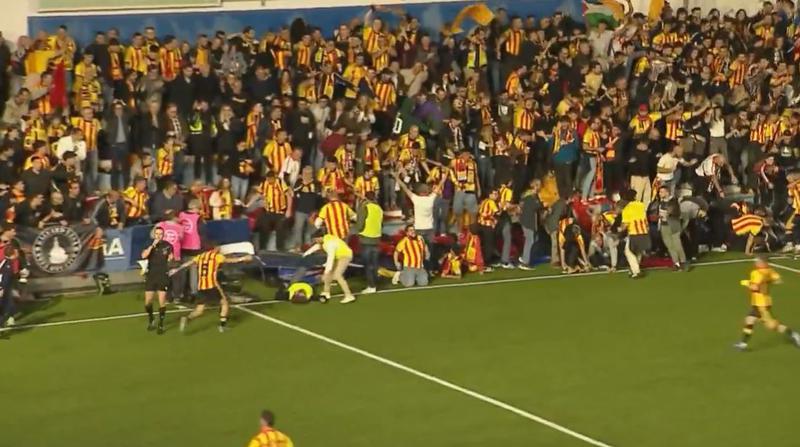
point(192, 244)
point(174, 235)
point(191, 221)
point(173, 232)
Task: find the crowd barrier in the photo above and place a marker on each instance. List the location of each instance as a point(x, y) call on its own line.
point(123, 248)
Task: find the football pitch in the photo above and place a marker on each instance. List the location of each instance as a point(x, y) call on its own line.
point(521, 359)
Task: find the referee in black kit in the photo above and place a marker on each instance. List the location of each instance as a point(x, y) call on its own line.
point(157, 280)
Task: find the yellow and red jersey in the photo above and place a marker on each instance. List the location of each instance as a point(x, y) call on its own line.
point(412, 250)
point(275, 194)
point(336, 215)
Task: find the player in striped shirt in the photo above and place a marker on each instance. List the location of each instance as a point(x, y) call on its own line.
point(209, 290)
point(336, 215)
point(268, 436)
point(409, 256)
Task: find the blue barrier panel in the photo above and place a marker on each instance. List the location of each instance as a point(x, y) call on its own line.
point(117, 250)
point(221, 232)
point(124, 247)
point(187, 25)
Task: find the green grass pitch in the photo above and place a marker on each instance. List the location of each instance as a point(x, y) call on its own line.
point(644, 363)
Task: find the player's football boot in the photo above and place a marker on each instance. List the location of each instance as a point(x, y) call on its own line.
point(796, 339)
point(740, 346)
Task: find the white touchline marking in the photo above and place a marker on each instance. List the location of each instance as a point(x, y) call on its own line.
point(543, 277)
point(181, 308)
point(429, 378)
point(783, 267)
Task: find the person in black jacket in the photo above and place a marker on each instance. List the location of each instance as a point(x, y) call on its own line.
point(149, 129)
point(109, 211)
point(181, 91)
point(66, 171)
point(202, 129)
point(206, 85)
point(117, 130)
point(74, 209)
point(230, 130)
point(8, 278)
point(303, 125)
point(531, 206)
point(36, 179)
point(307, 201)
point(32, 212)
point(262, 86)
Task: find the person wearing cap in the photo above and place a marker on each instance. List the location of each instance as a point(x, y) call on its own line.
point(644, 120)
point(268, 436)
point(338, 257)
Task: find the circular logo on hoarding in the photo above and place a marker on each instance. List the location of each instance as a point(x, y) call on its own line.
point(56, 249)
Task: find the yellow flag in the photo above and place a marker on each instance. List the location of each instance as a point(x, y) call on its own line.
point(655, 9)
point(479, 13)
point(617, 10)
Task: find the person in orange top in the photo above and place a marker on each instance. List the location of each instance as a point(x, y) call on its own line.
point(488, 212)
point(277, 199)
point(413, 251)
point(331, 177)
point(267, 436)
point(336, 215)
point(276, 151)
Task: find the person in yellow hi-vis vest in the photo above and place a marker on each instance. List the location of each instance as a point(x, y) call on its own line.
point(339, 256)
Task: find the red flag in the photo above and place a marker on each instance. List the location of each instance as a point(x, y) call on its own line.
point(58, 96)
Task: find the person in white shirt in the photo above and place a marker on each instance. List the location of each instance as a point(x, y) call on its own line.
point(290, 171)
point(667, 168)
point(423, 208)
point(338, 259)
point(707, 182)
point(71, 143)
point(717, 144)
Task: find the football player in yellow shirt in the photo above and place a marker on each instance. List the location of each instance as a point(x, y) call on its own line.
point(268, 436)
point(760, 280)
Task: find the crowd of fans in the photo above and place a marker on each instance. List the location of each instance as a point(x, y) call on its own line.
point(533, 123)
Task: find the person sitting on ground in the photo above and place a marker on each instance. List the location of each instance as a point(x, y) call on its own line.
point(413, 251)
point(451, 264)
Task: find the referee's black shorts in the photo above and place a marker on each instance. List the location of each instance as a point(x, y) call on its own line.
point(157, 282)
